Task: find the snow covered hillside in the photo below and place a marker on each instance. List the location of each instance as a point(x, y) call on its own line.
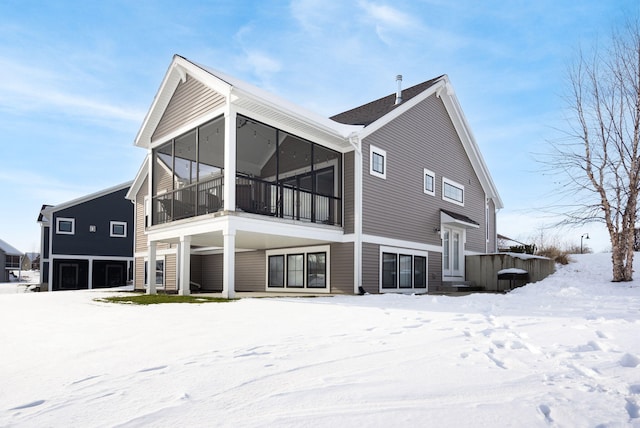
point(563, 352)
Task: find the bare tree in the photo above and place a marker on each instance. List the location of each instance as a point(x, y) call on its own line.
point(601, 159)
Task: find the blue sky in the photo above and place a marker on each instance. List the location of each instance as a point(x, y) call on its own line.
point(77, 77)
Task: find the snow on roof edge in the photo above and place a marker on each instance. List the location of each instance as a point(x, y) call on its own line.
point(270, 98)
point(9, 249)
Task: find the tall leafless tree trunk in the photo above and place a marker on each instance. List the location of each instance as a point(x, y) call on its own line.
point(602, 159)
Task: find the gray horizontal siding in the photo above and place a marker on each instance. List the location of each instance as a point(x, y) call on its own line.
point(190, 101)
point(397, 207)
point(349, 192)
point(434, 266)
point(250, 271)
point(370, 267)
point(342, 268)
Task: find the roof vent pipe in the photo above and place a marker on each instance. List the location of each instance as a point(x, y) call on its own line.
point(399, 92)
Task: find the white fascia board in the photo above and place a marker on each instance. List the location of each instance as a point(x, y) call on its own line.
point(243, 89)
point(298, 113)
point(137, 182)
point(400, 110)
point(86, 198)
point(175, 74)
point(450, 101)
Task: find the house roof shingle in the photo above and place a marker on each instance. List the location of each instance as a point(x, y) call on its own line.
point(370, 112)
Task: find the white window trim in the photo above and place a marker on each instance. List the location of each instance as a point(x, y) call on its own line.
point(454, 184)
point(116, 223)
point(300, 250)
point(487, 220)
point(424, 185)
point(73, 226)
point(383, 153)
point(147, 211)
point(407, 252)
point(164, 272)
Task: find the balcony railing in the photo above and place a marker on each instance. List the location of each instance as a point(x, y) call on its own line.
point(253, 195)
point(12, 262)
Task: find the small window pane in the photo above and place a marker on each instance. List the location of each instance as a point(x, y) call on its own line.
point(419, 272)
point(118, 229)
point(64, 226)
point(276, 271)
point(405, 271)
point(453, 192)
point(159, 272)
point(378, 163)
point(428, 183)
point(295, 270)
point(316, 270)
point(389, 270)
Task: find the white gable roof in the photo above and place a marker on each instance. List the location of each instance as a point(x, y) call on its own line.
point(444, 90)
point(242, 94)
point(268, 105)
point(8, 249)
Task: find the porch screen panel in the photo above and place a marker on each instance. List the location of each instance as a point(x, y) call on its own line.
point(185, 166)
point(211, 149)
point(163, 169)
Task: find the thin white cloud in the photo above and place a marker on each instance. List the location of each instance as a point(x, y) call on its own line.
point(25, 88)
point(388, 16)
point(261, 63)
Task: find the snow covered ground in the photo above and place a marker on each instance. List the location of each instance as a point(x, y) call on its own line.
point(564, 352)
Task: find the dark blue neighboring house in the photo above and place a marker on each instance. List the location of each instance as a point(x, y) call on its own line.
point(88, 242)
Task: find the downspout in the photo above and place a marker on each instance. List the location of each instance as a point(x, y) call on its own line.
point(354, 140)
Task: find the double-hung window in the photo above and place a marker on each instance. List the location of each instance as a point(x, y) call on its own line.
point(377, 162)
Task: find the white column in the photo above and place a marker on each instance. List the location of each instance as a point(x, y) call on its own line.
point(151, 268)
point(229, 192)
point(90, 278)
point(357, 215)
point(185, 265)
point(229, 264)
point(51, 255)
point(50, 269)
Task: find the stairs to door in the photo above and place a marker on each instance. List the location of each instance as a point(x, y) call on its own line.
point(459, 287)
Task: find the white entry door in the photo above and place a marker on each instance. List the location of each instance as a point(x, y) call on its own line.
point(452, 256)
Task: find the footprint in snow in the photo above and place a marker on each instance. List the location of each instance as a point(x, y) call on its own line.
point(84, 380)
point(28, 405)
point(632, 408)
point(629, 360)
point(546, 411)
point(152, 369)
